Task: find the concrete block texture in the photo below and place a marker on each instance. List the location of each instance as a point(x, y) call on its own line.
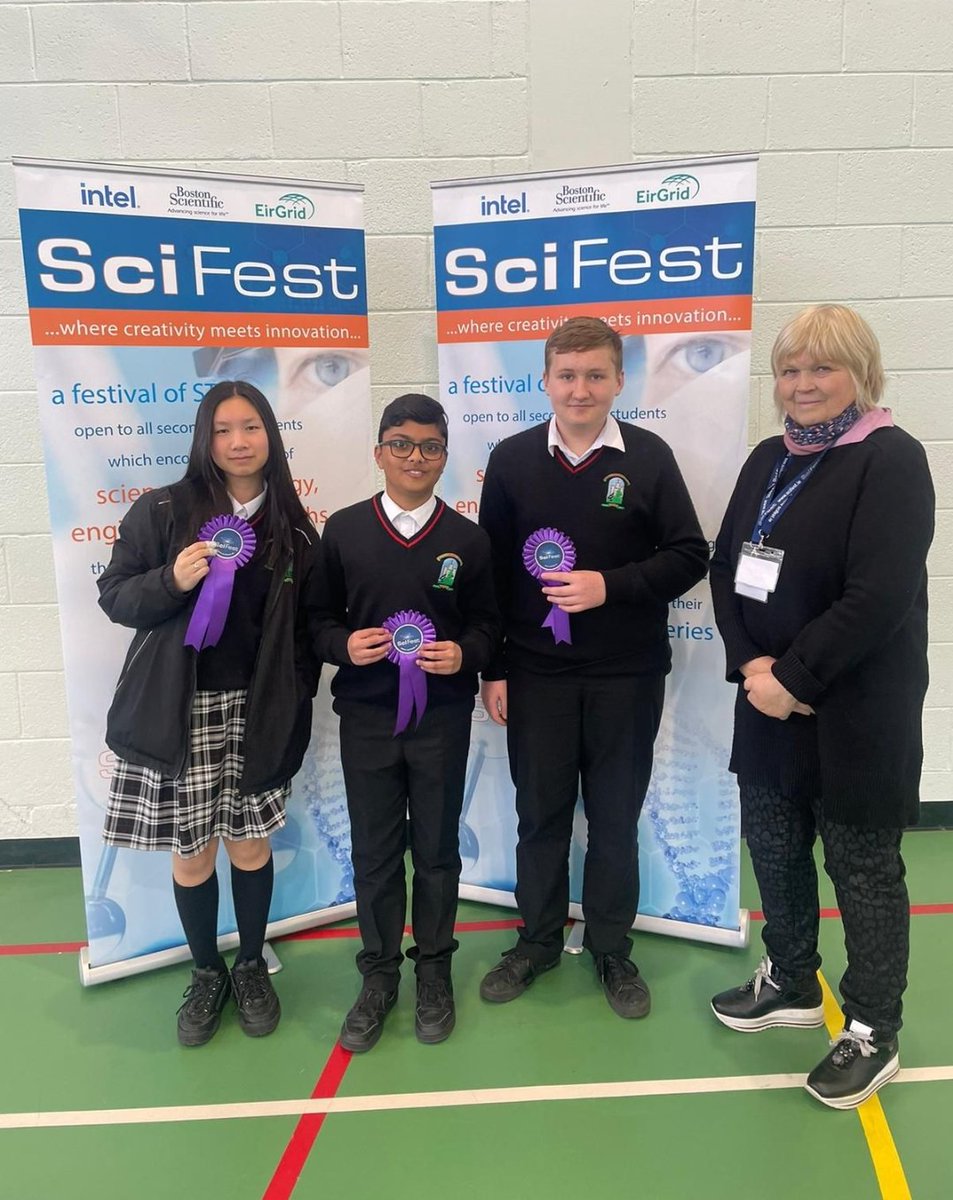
point(261, 40)
point(347, 118)
point(509, 34)
point(475, 116)
point(416, 39)
point(894, 186)
point(225, 120)
point(30, 638)
point(927, 259)
point(33, 774)
point(398, 276)
point(894, 35)
point(397, 191)
point(663, 38)
point(9, 707)
point(23, 503)
point(839, 111)
point(59, 120)
point(12, 284)
point(110, 42)
point(404, 347)
point(764, 36)
point(798, 188)
point(20, 429)
point(829, 264)
point(691, 115)
point(933, 110)
point(30, 569)
point(43, 704)
point(16, 63)
point(922, 399)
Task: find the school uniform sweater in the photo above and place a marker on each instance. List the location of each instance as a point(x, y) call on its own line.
point(847, 624)
point(629, 516)
point(370, 572)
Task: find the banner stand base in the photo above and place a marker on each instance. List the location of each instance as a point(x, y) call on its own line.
point(574, 941)
point(711, 934)
point(90, 975)
point(272, 961)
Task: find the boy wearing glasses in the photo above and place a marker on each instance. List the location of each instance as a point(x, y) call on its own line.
point(410, 619)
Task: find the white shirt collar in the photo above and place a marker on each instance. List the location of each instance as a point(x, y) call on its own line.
point(611, 436)
point(250, 507)
point(401, 518)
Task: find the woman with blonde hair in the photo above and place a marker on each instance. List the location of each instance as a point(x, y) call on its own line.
point(820, 591)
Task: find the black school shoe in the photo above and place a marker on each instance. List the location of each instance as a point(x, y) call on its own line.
point(259, 1010)
point(625, 989)
point(436, 1014)
point(856, 1065)
point(364, 1024)
point(511, 977)
point(766, 1002)
point(204, 999)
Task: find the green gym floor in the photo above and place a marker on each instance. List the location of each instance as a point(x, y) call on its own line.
point(550, 1096)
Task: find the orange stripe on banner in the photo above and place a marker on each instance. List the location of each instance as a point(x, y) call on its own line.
point(115, 327)
point(707, 313)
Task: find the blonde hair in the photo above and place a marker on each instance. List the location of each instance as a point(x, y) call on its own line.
point(584, 333)
point(838, 335)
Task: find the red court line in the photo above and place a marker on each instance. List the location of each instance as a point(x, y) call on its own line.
point(289, 1169)
point(326, 932)
point(43, 948)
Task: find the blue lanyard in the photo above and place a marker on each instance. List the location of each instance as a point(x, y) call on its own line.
point(771, 506)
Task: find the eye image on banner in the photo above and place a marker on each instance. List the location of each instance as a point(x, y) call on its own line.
point(146, 288)
point(664, 254)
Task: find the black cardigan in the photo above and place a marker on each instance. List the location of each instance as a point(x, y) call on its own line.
point(847, 624)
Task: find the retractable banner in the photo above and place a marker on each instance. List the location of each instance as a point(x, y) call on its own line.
point(664, 253)
point(146, 287)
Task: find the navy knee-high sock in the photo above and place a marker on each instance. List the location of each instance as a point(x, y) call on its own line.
point(198, 912)
point(251, 894)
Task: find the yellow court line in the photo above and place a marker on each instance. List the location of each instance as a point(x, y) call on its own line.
point(880, 1143)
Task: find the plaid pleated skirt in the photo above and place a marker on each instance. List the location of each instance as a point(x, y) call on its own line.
point(150, 811)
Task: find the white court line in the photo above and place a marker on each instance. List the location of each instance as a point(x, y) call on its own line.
point(464, 1098)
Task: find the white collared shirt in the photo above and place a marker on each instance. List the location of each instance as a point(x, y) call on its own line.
point(611, 435)
point(407, 522)
point(250, 507)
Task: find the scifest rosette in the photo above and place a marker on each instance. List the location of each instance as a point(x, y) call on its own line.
point(409, 630)
point(550, 550)
point(234, 540)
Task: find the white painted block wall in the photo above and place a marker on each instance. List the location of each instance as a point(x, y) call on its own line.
point(849, 103)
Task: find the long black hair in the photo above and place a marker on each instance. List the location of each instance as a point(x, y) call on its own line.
point(282, 508)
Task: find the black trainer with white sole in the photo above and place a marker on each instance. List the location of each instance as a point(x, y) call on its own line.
point(767, 1002)
point(855, 1067)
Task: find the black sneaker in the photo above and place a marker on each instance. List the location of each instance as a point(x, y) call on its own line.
point(436, 1015)
point(202, 1010)
point(856, 1065)
point(511, 977)
point(364, 1024)
point(258, 1008)
point(625, 989)
point(765, 1002)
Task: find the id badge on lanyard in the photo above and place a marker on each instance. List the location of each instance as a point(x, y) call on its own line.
point(759, 566)
point(756, 575)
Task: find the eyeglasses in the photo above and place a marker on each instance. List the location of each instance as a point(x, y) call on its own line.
point(404, 448)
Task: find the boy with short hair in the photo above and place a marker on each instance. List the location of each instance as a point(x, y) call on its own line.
point(410, 619)
point(593, 534)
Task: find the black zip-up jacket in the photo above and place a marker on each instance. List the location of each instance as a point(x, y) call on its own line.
point(148, 721)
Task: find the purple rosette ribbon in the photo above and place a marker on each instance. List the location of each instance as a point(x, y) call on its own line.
point(409, 630)
point(235, 541)
point(550, 550)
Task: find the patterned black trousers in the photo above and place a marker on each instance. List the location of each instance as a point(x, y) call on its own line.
point(867, 871)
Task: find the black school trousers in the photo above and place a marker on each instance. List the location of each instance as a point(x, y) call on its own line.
point(565, 734)
point(419, 774)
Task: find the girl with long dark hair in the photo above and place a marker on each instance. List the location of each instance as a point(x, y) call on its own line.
point(212, 711)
